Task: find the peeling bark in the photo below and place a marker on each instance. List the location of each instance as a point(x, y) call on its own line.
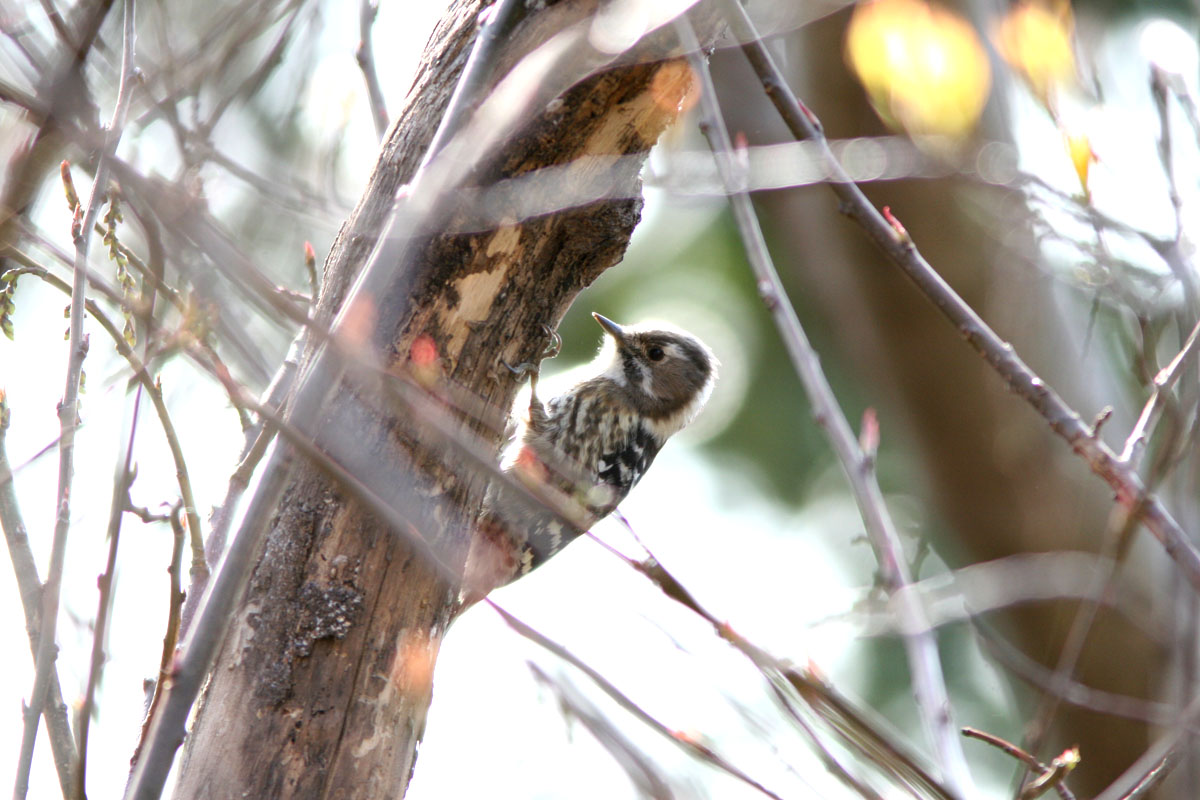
point(323, 683)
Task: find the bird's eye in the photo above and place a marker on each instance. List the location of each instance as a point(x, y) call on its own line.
point(654, 352)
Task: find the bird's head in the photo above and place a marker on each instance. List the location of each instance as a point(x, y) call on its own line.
point(666, 374)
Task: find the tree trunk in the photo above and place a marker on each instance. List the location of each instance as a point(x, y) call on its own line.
point(323, 683)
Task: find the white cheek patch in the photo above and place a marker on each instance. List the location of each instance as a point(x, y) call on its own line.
point(616, 374)
point(615, 371)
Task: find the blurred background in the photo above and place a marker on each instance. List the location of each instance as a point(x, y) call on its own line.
point(1043, 157)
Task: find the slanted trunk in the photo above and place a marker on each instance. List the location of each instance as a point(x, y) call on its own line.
point(323, 683)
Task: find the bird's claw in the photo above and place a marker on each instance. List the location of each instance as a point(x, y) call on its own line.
point(520, 370)
point(553, 348)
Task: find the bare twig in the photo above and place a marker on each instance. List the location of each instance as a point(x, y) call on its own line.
point(120, 499)
point(1135, 444)
point(1157, 771)
point(258, 439)
point(932, 699)
point(1025, 758)
point(258, 77)
point(56, 20)
point(1159, 759)
point(365, 55)
point(648, 778)
point(62, 744)
point(1176, 254)
point(1071, 691)
point(847, 721)
point(788, 682)
point(69, 412)
point(41, 149)
point(686, 743)
point(1023, 381)
point(1118, 535)
point(145, 514)
point(143, 376)
point(786, 700)
point(174, 616)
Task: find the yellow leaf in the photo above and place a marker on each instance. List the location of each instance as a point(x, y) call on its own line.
point(1035, 39)
point(1079, 148)
point(923, 67)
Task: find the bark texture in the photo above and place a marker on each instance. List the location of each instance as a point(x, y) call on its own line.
point(323, 683)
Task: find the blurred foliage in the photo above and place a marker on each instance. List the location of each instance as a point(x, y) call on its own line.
point(923, 67)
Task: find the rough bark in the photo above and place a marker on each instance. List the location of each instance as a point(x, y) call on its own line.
point(323, 683)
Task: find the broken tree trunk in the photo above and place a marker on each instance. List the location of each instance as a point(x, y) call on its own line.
point(323, 682)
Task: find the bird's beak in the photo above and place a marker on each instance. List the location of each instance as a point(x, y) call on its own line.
point(611, 328)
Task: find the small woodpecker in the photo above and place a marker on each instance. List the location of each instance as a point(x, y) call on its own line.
point(582, 451)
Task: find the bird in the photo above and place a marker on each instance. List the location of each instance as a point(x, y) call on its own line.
point(578, 454)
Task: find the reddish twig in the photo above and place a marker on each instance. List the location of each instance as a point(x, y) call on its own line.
point(1024, 382)
point(173, 632)
point(788, 681)
point(929, 683)
point(1047, 776)
point(68, 415)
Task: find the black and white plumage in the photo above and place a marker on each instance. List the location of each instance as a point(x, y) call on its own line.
point(584, 449)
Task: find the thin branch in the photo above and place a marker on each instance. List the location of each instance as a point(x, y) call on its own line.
point(648, 778)
point(890, 237)
point(57, 22)
point(1025, 758)
point(1157, 771)
point(262, 71)
point(146, 515)
point(686, 743)
point(258, 439)
point(1176, 255)
point(1118, 535)
point(174, 618)
point(365, 55)
point(143, 376)
point(62, 743)
point(497, 22)
point(64, 79)
point(932, 699)
point(1158, 759)
point(69, 413)
point(1135, 444)
point(820, 747)
point(1071, 691)
point(833, 709)
point(120, 499)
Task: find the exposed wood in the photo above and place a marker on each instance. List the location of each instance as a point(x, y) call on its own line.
point(323, 683)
